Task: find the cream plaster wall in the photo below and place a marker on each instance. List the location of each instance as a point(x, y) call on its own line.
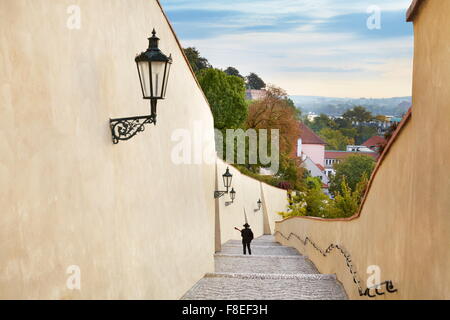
point(274, 201)
point(138, 226)
point(404, 225)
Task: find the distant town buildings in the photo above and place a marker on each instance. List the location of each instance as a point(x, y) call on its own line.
point(359, 149)
point(320, 162)
point(312, 116)
point(380, 125)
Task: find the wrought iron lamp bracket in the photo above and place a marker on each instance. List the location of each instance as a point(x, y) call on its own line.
point(124, 129)
point(219, 194)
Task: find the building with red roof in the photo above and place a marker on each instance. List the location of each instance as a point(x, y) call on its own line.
point(375, 143)
point(311, 145)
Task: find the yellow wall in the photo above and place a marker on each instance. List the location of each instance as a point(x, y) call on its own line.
point(405, 222)
point(248, 192)
point(138, 226)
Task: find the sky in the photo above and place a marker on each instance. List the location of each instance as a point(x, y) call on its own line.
point(307, 47)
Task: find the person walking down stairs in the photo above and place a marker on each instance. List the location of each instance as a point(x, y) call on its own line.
point(247, 237)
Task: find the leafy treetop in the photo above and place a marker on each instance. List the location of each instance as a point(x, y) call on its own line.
point(226, 97)
point(196, 61)
point(231, 71)
point(352, 169)
point(255, 82)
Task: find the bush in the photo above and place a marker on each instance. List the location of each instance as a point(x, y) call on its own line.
point(314, 203)
point(352, 170)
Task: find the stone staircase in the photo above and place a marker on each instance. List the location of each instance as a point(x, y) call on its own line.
point(273, 272)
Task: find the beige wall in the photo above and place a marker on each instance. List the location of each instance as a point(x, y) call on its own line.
point(274, 201)
point(404, 225)
point(138, 226)
point(248, 192)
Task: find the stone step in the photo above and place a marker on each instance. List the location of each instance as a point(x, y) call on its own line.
point(273, 272)
point(266, 238)
point(254, 242)
point(264, 264)
point(260, 250)
point(234, 286)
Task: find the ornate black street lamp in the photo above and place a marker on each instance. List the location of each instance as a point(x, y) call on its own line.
point(232, 196)
point(259, 204)
point(153, 68)
point(227, 179)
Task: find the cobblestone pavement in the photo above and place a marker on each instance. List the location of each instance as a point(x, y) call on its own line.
point(273, 272)
point(261, 250)
point(264, 264)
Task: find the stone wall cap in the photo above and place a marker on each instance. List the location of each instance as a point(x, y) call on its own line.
point(413, 9)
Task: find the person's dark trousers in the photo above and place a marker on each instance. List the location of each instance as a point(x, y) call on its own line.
point(247, 246)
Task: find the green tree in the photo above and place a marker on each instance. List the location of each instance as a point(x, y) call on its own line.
point(335, 139)
point(290, 171)
point(343, 123)
point(322, 122)
point(352, 170)
point(317, 202)
point(196, 61)
point(297, 206)
point(226, 97)
point(359, 114)
point(364, 133)
point(381, 118)
point(231, 71)
point(350, 133)
point(255, 82)
point(347, 203)
point(297, 111)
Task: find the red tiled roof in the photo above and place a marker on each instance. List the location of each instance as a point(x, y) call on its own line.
point(375, 141)
point(308, 136)
point(344, 155)
point(320, 167)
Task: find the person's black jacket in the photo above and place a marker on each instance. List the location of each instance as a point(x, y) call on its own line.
point(247, 235)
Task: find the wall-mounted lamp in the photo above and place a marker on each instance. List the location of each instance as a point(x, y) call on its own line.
point(232, 196)
point(259, 204)
point(227, 179)
point(153, 68)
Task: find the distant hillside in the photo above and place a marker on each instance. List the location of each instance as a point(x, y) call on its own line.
point(337, 106)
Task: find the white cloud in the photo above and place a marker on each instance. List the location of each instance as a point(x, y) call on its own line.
point(307, 60)
point(313, 8)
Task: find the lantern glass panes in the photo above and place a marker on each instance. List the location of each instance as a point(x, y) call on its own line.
point(156, 86)
point(169, 65)
point(233, 194)
point(227, 178)
point(154, 68)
